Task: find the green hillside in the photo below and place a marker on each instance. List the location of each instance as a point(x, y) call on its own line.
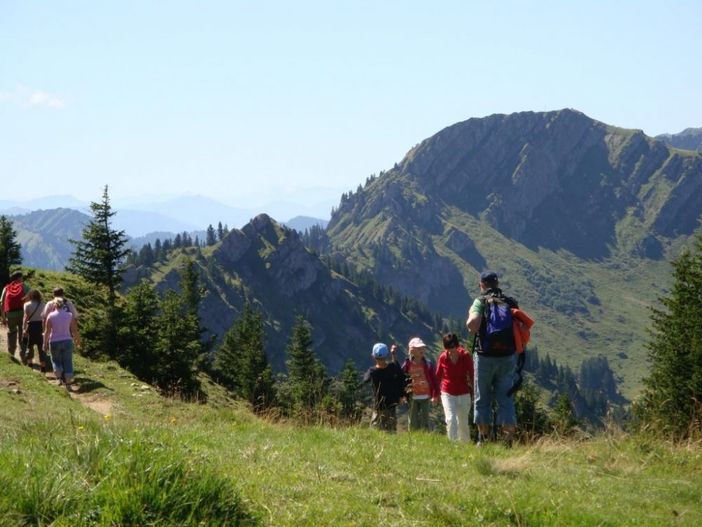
point(116, 453)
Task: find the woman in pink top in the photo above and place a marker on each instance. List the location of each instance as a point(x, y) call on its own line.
point(454, 371)
point(60, 333)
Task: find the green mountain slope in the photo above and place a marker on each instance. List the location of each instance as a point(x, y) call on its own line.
point(45, 235)
point(577, 216)
point(268, 265)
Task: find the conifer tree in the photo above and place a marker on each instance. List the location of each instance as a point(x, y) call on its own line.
point(210, 237)
point(98, 258)
point(306, 375)
point(139, 333)
point(100, 253)
point(10, 254)
point(672, 398)
point(241, 361)
point(348, 391)
point(220, 231)
point(564, 419)
point(192, 293)
point(176, 348)
point(190, 286)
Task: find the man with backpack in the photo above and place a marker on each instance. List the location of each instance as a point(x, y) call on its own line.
point(12, 303)
point(490, 320)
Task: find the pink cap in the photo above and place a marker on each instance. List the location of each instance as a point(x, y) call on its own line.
point(416, 342)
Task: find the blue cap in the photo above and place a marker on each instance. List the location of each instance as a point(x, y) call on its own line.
point(380, 351)
point(488, 276)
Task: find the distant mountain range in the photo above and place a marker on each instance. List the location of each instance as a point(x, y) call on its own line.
point(139, 217)
point(44, 234)
point(688, 139)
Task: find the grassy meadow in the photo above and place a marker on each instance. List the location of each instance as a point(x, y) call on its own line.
point(115, 453)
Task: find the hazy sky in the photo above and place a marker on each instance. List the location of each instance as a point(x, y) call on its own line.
point(260, 100)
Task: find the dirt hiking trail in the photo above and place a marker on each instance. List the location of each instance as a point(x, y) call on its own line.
point(78, 392)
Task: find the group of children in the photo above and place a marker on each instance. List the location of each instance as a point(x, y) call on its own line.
point(422, 383)
point(47, 327)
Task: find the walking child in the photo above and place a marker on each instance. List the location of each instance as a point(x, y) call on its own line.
point(423, 385)
point(388, 388)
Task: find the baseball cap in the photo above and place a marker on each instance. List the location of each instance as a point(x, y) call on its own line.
point(380, 351)
point(488, 276)
point(416, 342)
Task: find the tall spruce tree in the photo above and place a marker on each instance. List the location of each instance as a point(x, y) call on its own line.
point(139, 333)
point(672, 398)
point(10, 250)
point(210, 237)
point(348, 391)
point(100, 253)
point(241, 361)
point(307, 381)
point(177, 348)
point(98, 258)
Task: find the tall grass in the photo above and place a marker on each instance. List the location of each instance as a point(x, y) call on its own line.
point(81, 473)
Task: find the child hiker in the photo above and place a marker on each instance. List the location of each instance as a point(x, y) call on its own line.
point(423, 385)
point(388, 388)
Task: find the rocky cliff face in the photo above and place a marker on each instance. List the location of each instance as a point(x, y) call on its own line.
point(558, 180)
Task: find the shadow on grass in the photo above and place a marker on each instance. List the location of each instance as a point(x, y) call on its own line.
point(86, 385)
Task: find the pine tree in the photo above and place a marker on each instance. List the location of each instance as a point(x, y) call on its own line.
point(192, 294)
point(211, 237)
point(157, 250)
point(241, 362)
point(98, 258)
point(10, 250)
point(347, 390)
point(100, 253)
point(564, 417)
point(177, 348)
point(672, 398)
point(306, 375)
point(139, 333)
point(190, 286)
point(220, 231)
point(531, 415)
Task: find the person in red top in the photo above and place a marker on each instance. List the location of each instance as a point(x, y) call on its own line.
point(454, 371)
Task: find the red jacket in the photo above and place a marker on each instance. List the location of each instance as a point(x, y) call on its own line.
point(456, 378)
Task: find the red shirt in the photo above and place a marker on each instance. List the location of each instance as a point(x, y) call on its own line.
point(456, 378)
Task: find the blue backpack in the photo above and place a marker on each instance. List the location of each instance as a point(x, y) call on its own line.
point(496, 332)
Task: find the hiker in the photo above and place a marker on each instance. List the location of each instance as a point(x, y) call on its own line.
point(60, 335)
point(12, 302)
point(33, 328)
point(388, 387)
point(423, 386)
point(490, 320)
point(51, 304)
point(454, 371)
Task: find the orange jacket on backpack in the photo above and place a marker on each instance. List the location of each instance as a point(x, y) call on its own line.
point(521, 326)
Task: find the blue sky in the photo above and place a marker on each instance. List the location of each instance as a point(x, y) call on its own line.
point(250, 102)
